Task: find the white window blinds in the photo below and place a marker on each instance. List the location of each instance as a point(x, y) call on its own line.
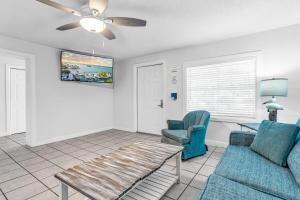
point(225, 89)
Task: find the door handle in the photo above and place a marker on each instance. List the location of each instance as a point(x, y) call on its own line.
point(161, 103)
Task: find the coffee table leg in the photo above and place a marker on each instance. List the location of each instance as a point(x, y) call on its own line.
point(63, 192)
point(178, 166)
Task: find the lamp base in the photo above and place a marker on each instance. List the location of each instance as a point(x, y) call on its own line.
point(273, 115)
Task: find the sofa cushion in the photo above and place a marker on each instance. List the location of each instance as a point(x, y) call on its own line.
point(219, 187)
point(298, 124)
point(177, 135)
point(275, 141)
point(294, 162)
point(249, 168)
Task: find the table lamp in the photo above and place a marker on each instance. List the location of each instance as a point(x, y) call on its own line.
point(273, 87)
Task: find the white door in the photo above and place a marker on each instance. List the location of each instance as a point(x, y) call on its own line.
point(150, 92)
point(17, 97)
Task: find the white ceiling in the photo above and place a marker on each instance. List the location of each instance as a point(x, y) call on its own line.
point(171, 23)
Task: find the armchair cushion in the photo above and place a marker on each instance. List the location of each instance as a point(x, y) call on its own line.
point(179, 136)
point(275, 140)
point(175, 124)
point(294, 162)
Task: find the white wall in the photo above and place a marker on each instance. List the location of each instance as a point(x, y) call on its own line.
point(5, 59)
point(280, 58)
point(63, 109)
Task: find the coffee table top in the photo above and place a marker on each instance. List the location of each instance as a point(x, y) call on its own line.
point(112, 175)
point(252, 126)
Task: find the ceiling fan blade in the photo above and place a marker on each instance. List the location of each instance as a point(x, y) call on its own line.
point(60, 7)
point(108, 34)
point(69, 26)
point(126, 21)
point(99, 5)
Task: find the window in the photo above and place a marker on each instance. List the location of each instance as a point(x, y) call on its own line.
point(225, 89)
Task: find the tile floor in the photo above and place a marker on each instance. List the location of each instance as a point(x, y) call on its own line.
point(27, 173)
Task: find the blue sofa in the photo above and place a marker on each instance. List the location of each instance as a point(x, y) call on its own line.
point(189, 132)
point(244, 174)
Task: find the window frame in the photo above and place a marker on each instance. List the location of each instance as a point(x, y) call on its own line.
point(256, 56)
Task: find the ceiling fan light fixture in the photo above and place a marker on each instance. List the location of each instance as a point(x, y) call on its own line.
point(92, 24)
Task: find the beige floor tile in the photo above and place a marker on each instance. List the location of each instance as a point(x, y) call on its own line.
point(3, 156)
point(69, 163)
point(28, 156)
point(7, 168)
point(220, 149)
point(216, 155)
point(26, 191)
point(199, 159)
point(191, 166)
point(186, 177)
point(44, 173)
point(32, 161)
point(52, 155)
point(17, 183)
point(190, 193)
point(38, 166)
point(88, 157)
point(206, 170)
point(199, 181)
point(50, 181)
point(86, 148)
point(176, 191)
point(104, 151)
point(79, 153)
point(12, 175)
point(6, 162)
point(57, 190)
point(47, 195)
point(61, 158)
point(212, 162)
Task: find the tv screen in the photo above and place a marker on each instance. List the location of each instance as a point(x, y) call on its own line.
point(86, 68)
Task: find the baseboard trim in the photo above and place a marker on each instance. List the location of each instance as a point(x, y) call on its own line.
point(70, 136)
point(125, 129)
point(4, 134)
point(216, 143)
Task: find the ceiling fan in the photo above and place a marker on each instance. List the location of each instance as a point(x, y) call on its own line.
point(93, 20)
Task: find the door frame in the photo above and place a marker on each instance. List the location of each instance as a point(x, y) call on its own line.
point(31, 111)
point(135, 89)
point(8, 68)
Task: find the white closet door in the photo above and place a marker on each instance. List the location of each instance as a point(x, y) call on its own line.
point(17, 100)
point(150, 99)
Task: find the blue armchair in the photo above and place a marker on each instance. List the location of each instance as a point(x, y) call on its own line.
point(190, 133)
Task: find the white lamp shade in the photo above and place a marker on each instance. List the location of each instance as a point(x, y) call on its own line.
point(274, 87)
point(92, 24)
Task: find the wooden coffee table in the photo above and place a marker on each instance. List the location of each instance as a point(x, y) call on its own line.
point(129, 173)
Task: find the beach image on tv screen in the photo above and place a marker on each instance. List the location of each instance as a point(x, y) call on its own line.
point(85, 68)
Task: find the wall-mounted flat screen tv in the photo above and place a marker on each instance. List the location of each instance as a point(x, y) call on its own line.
point(86, 67)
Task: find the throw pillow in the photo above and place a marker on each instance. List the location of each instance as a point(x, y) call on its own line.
point(275, 140)
point(294, 162)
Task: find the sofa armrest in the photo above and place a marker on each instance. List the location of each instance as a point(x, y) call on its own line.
point(241, 138)
point(175, 124)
